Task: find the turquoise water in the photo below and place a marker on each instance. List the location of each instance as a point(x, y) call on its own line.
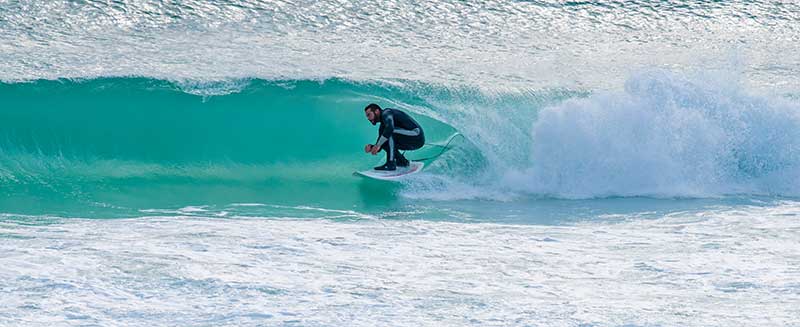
point(189, 163)
point(112, 147)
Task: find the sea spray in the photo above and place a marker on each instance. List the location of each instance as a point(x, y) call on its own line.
point(665, 135)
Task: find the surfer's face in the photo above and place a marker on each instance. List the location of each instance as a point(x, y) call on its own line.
point(372, 116)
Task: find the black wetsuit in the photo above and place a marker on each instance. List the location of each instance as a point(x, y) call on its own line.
point(398, 131)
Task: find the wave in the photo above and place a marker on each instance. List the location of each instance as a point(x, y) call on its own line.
point(137, 140)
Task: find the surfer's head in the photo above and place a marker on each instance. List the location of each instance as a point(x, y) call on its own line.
point(373, 112)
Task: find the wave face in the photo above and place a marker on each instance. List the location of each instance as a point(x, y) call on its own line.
point(144, 140)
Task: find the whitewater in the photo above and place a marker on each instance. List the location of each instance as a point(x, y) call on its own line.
point(190, 163)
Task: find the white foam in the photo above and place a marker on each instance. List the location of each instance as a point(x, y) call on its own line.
point(733, 266)
point(665, 135)
point(493, 45)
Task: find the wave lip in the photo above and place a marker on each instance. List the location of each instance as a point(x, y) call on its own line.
point(665, 136)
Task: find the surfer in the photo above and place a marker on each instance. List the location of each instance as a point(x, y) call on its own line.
point(398, 131)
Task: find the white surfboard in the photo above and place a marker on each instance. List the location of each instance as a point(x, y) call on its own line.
point(393, 175)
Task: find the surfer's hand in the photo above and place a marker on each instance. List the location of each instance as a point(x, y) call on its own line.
point(368, 148)
point(374, 150)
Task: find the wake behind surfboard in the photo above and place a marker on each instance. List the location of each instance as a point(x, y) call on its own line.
point(391, 175)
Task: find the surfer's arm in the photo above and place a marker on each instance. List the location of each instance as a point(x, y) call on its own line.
point(388, 129)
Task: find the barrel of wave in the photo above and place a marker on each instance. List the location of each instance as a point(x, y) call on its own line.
point(137, 142)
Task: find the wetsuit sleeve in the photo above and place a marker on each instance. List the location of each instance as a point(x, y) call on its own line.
point(388, 129)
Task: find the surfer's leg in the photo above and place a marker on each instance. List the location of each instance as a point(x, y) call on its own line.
point(407, 142)
point(391, 154)
point(399, 159)
point(390, 147)
point(409, 139)
point(397, 142)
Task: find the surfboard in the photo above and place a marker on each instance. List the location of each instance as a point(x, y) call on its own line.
point(392, 175)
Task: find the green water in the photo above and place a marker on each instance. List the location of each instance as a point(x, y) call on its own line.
point(116, 146)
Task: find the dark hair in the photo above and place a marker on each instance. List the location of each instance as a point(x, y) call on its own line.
point(372, 106)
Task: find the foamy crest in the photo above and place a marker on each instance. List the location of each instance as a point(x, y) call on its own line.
point(665, 135)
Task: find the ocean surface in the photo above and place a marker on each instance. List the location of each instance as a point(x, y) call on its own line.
point(189, 163)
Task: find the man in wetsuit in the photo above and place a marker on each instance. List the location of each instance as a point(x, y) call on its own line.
point(398, 131)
